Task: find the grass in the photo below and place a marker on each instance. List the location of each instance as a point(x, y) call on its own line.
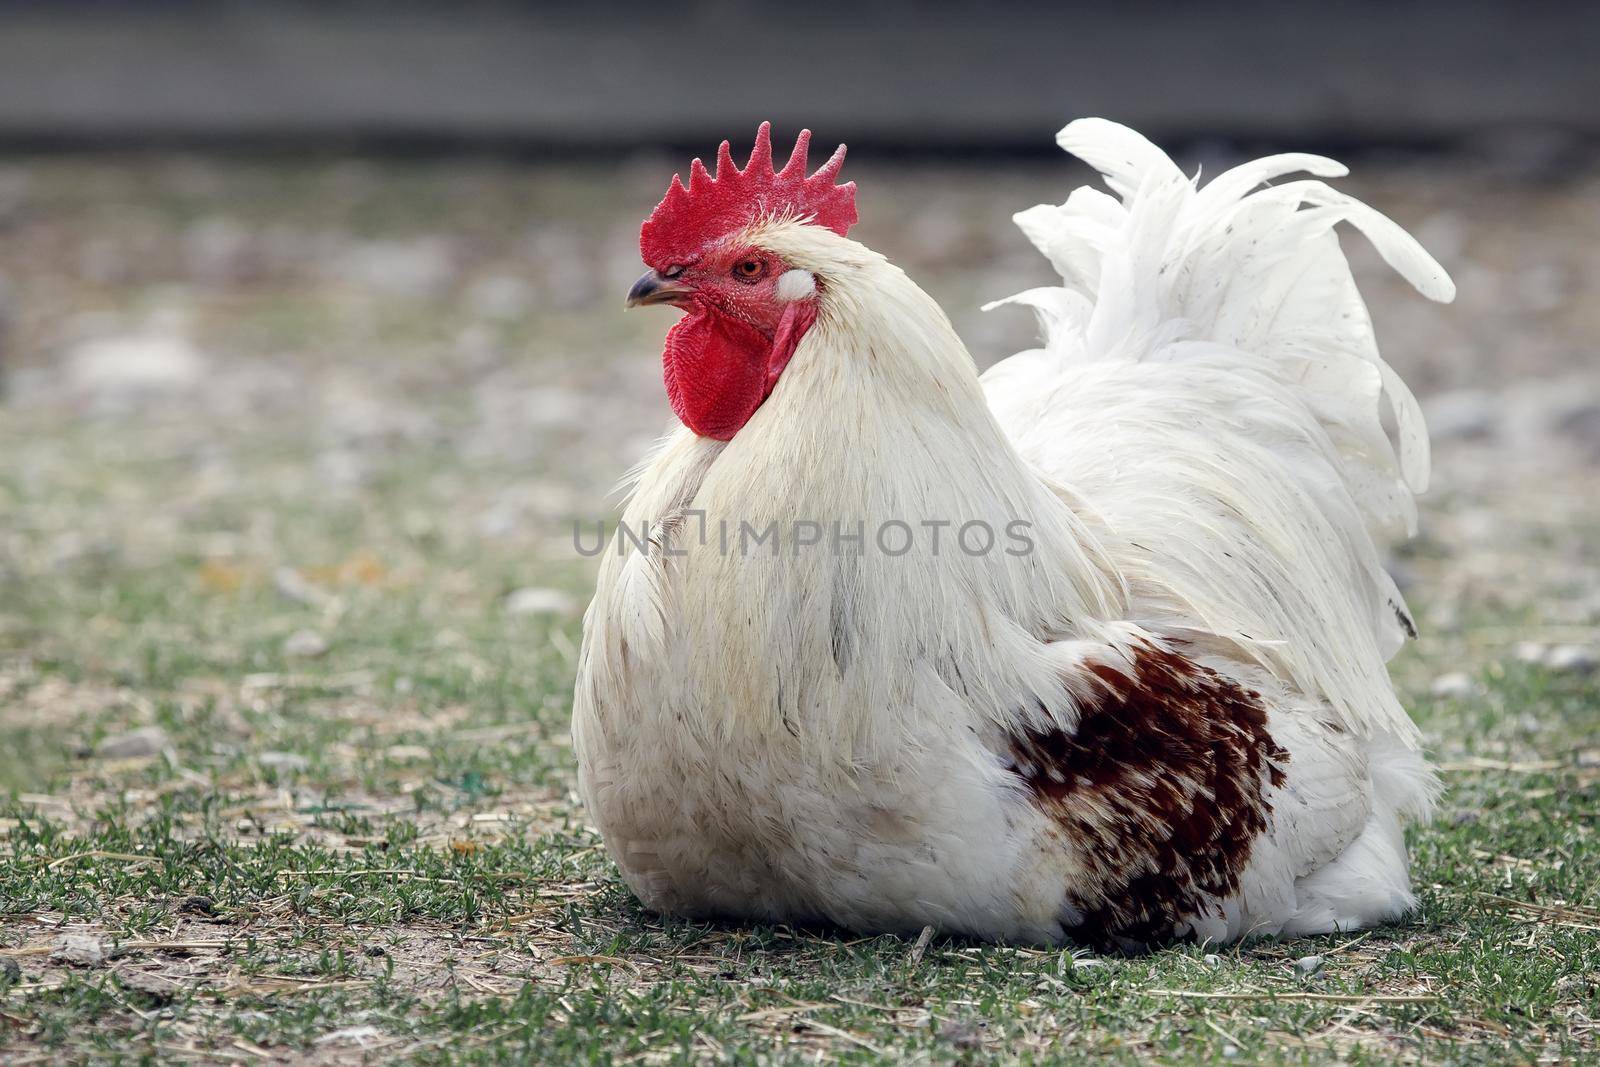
point(213, 849)
point(376, 853)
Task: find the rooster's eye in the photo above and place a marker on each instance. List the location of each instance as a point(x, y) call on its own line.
point(748, 270)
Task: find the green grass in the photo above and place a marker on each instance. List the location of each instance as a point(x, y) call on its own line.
point(377, 852)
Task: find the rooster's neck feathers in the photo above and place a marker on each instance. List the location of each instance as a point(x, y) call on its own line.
point(879, 420)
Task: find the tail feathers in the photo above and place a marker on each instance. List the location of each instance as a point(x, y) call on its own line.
point(1123, 156)
point(1211, 385)
point(1258, 270)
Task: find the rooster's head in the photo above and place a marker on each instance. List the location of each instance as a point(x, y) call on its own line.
point(747, 307)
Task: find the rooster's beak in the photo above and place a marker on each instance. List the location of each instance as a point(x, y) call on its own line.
point(653, 288)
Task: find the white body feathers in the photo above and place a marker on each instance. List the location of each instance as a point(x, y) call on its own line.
point(836, 732)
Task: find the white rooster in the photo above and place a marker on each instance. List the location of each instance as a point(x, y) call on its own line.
point(1089, 649)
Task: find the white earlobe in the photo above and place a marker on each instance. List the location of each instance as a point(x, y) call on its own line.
point(795, 285)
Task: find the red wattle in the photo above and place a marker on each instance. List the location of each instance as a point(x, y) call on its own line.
point(715, 368)
point(797, 319)
point(719, 369)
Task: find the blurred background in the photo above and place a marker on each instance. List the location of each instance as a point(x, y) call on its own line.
point(312, 352)
point(312, 345)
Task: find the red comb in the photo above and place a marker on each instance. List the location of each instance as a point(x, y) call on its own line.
point(688, 219)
